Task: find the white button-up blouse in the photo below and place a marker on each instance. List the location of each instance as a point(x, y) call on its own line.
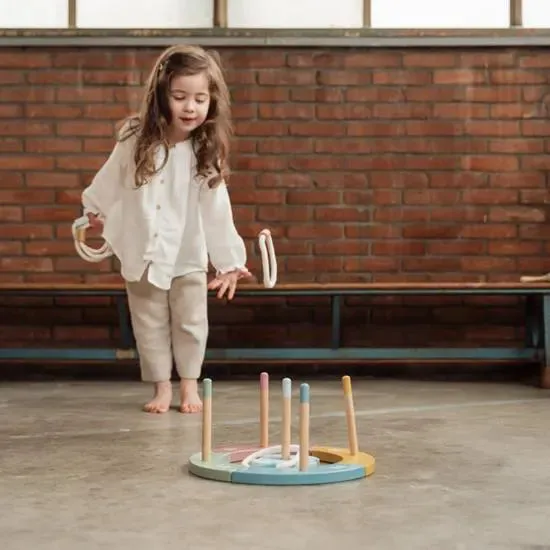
point(172, 224)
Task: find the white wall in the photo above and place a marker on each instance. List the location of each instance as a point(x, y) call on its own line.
point(536, 13)
point(33, 13)
point(271, 13)
point(141, 14)
point(295, 13)
point(441, 13)
point(144, 13)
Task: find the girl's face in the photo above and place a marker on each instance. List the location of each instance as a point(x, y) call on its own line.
point(189, 100)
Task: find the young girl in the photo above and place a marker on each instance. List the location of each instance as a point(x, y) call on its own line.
point(163, 207)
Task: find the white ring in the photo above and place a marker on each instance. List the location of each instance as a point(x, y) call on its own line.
point(269, 260)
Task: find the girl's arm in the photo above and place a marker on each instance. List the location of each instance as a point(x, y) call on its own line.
point(225, 246)
point(104, 189)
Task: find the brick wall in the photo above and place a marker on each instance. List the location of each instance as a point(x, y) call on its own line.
point(379, 165)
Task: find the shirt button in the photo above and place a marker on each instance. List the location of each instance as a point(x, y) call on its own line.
point(158, 206)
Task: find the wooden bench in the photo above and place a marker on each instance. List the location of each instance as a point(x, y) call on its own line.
point(537, 329)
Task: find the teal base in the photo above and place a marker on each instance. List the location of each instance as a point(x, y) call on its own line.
point(220, 468)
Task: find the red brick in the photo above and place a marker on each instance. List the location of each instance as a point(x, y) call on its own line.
point(52, 179)
point(11, 145)
point(514, 76)
point(9, 110)
point(271, 94)
point(254, 163)
point(80, 162)
point(370, 231)
point(286, 180)
point(25, 60)
point(114, 111)
point(514, 248)
point(313, 264)
point(414, 60)
point(26, 162)
point(517, 214)
point(315, 231)
point(281, 214)
point(342, 248)
point(50, 214)
point(470, 214)
point(490, 163)
point(516, 145)
point(26, 196)
point(35, 110)
point(430, 196)
point(343, 78)
point(260, 196)
point(398, 214)
point(286, 111)
point(283, 146)
point(489, 231)
point(431, 265)
point(53, 145)
point(408, 77)
point(11, 214)
point(490, 196)
point(456, 248)
point(317, 129)
point(486, 264)
point(431, 231)
point(23, 263)
point(402, 111)
point(517, 179)
point(460, 110)
point(261, 128)
point(460, 76)
point(25, 128)
point(50, 248)
point(374, 94)
point(11, 248)
point(342, 146)
point(342, 112)
point(313, 197)
point(371, 264)
point(398, 248)
point(85, 128)
point(84, 94)
point(280, 77)
point(341, 214)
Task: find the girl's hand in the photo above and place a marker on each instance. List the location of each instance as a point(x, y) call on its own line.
point(96, 224)
point(227, 282)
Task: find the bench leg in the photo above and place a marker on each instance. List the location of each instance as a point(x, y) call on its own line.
point(545, 366)
point(335, 336)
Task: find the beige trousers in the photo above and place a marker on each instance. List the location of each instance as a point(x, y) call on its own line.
point(170, 324)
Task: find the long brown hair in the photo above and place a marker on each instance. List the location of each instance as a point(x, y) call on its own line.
point(150, 125)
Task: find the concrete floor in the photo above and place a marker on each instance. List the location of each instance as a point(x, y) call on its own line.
point(459, 466)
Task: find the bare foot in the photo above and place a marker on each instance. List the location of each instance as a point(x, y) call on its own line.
point(190, 400)
point(162, 398)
